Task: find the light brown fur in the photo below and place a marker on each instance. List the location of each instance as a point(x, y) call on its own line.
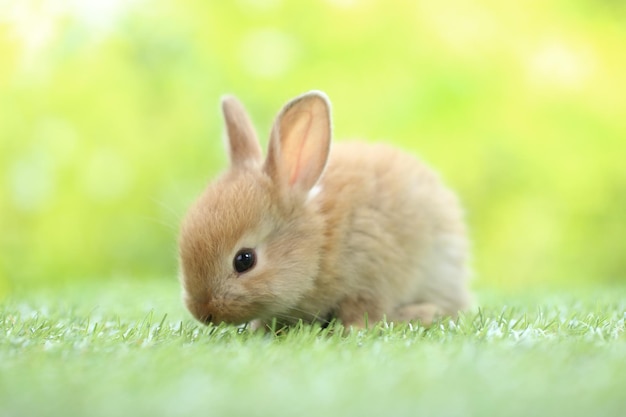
point(362, 231)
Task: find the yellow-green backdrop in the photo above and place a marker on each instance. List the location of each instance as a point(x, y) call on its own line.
point(109, 121)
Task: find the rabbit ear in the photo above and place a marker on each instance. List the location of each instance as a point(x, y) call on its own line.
point(300, 142)
point(243, 145)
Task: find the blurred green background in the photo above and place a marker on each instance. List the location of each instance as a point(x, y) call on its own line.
point(109, 121)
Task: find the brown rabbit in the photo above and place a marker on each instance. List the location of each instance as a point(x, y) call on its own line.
point(358, 233)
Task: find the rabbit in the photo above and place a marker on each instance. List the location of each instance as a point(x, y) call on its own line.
point(357, 233)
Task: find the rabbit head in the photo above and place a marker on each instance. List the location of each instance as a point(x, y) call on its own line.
point(250, 245)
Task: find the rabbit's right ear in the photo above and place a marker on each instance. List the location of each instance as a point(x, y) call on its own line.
point(300, 142)
point(243, 145)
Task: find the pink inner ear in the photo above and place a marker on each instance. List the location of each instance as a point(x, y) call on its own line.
point(301, 129)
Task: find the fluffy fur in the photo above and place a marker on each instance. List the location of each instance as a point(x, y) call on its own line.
point(362, 231)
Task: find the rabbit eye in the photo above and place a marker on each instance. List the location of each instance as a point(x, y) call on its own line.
point(244, 260)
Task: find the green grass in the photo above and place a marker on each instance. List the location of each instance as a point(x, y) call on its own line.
point(130, 349)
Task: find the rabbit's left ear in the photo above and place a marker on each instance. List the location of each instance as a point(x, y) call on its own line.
point(242, 143)
point(300, 142)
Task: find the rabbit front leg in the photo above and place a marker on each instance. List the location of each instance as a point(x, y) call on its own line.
point(359, 312)
point(424, 313)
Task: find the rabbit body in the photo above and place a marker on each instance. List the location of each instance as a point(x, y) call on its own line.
point(357, 233)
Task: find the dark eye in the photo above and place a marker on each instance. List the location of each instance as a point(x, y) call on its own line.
point(244, 260)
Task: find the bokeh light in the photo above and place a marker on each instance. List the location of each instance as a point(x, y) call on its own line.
point(109, 121)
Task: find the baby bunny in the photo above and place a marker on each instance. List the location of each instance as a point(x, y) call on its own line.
point(360, 232)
